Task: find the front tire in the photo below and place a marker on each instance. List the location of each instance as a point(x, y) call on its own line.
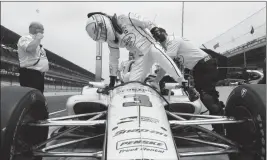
point(19, 106)
point(248, 102)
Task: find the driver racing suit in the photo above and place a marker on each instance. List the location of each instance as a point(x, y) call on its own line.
point(136, 37)
point(124, 70)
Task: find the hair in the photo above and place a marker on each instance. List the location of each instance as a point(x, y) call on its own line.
point(156, 29)
point(33, 26)
point(162, 30)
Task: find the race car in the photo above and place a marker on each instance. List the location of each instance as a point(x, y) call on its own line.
point(132, 121)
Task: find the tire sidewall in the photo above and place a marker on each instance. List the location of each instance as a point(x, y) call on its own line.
point(31, 99)
point(250, 98)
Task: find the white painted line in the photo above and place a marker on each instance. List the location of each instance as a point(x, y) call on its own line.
point(57, 112)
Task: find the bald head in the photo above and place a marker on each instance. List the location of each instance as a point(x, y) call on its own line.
point(36, 27)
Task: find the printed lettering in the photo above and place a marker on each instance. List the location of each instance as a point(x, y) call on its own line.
point(138, 131)
point(125, 150)
point(140, 100)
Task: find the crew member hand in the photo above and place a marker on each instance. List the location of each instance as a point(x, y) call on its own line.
point(39, 36)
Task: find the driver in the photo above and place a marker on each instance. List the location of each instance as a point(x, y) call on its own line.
point(126, 66)
point(130, 32)
point(204, 69)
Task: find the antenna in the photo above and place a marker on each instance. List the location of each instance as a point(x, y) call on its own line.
point(183, 19)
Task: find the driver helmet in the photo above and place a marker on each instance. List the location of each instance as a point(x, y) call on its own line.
point(99, 28)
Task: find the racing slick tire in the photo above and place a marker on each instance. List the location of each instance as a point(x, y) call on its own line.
point(248, 102)
point(19, 106)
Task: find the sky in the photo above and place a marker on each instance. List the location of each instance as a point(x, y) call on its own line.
point(64, 23)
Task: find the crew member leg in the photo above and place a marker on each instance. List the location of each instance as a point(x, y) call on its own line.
point(31, 78)
point(205, 77)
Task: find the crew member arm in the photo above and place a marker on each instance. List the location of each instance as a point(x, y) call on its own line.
point(28, 45)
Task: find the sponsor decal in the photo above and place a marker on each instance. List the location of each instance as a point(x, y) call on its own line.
point(114, 128)
point(129, 118)
point(124, 131)
point(142, 90)
point(139, 100)
point(126, 150)
point(243, 92)
point(128, 40)
point(125, 121)
point(148, 119)
point(33, 97)
point(163, 128)
point(134, 118)
point(141, 142)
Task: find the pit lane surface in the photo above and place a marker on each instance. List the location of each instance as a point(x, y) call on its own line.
point(56, 106)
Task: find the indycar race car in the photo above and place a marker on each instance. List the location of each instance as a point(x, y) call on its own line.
point(132, 121)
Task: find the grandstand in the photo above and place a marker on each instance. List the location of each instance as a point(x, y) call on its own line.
point(245, 43)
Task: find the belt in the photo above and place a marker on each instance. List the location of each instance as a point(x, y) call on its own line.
point(202, 61)
point(208, 57)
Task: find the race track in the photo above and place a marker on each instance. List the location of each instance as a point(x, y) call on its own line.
point(56, 107)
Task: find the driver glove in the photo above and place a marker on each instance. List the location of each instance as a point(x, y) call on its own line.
point(112, 80)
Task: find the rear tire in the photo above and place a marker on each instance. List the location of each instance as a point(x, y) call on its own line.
point(21, 105)
point(248, 102)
